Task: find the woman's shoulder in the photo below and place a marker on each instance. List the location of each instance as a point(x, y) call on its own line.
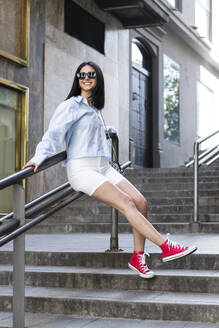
point(70, 103)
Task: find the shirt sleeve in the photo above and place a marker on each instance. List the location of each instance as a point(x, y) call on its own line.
point(53, 140)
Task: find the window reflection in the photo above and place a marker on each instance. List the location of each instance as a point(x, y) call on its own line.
point(203, 18)
point(207, 107)
point(172, 2)
point(8, 107)
point(137, 57)
point(171, 99)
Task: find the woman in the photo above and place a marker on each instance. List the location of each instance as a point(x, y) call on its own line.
point(76, 121)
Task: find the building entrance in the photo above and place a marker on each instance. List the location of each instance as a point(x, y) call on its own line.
point(141, 107)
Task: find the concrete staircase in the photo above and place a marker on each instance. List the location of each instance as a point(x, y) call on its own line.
point(69, 274)
point(98, 284)
point(169, 193)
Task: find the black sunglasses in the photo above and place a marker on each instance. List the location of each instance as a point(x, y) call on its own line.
point(90, 75)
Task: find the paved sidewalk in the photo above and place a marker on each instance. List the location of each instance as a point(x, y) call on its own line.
point(97, 242)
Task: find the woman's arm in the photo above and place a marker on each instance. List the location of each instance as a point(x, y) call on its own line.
point(53, 139)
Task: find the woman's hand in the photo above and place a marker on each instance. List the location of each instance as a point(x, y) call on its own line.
point(31, 164)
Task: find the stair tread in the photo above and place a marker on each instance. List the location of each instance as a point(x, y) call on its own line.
point(121, 296)
point(110, 271)
point(40, 320)
point(126, 223)
point(109, 223)
point(98, 242)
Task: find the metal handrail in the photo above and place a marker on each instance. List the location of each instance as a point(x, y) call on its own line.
point(29, 171)
point(201, 156)
point(16, 178)
point(213, 160)
point(38, 219)
point(211, 154)
point(37, 206)
point(196, 172)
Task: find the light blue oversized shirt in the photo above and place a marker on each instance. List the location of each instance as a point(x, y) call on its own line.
point(77, 125)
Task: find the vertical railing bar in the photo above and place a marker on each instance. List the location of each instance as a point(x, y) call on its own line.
point(196, 175)
point(18, 260)
point(196, 182)
point(114, 240)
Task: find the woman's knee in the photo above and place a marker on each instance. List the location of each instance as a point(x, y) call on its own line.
point(127, 204)
point(141, 203)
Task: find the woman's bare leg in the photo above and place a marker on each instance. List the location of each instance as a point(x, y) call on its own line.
point(115, 197)
point(141, 204)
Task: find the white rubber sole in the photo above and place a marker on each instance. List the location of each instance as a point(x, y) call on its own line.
point(190, 250)
point(148, 275)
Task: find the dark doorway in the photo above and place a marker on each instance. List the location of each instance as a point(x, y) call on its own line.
point(141, 108)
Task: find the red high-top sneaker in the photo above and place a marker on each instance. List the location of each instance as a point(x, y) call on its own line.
point(137, 264)
point(172, 250)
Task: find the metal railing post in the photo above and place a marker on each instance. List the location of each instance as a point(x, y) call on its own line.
point(196, 185)
point(18, 260)
point(114, 240)
point(131, 151)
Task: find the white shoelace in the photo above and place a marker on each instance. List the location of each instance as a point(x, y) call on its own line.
point(142, 260)
point(173, 244)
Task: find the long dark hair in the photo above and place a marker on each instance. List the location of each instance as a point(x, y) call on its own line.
point(98, 94)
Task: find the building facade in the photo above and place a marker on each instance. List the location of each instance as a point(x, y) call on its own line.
point(160, 64)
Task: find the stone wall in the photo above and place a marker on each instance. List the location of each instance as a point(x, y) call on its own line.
point(31, 77)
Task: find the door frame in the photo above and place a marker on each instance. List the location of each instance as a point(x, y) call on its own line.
point(153, 45)
point(147, 71)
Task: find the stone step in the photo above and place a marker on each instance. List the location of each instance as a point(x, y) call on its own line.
point(156, 194)
point(175, 223)
point(162, 214)
point(178, 193)
point(177, 179)
point(204, 200)
point(100, 219)
point(40, 320)
point(176, 186)
point(92, 202)
point(184, 217)
point(113, 260)
point(178, 171)
point(151, 305)
point(195, 281)
point(92, 227)
point(183, 209)
point(95, 212)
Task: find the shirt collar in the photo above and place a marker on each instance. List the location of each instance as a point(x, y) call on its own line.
point(80, 99)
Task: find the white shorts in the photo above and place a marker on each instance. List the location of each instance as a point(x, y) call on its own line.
point(88, 173)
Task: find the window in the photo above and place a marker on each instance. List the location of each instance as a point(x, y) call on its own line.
point(8, 106)
point(172, 2)
point(137, 57)
point(13, 132)
point(176, 4)
point(207, 106)
point(14, 27)
point(83, 26)
point(203, 18)
point(171, 99)
point(205, 97)
point(141, 56)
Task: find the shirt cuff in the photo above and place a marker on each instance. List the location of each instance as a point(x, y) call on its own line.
point(37, 159)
